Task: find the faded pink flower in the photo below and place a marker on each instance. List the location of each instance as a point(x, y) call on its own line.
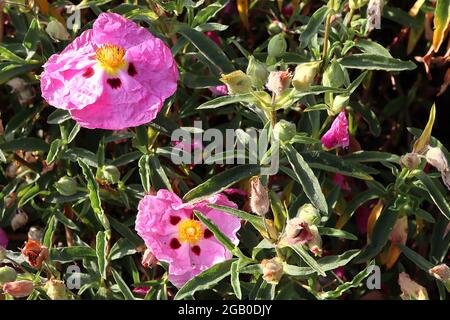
point(114, 76)
point(174, 235)
point(3, 238)
point(141, 291)
point(337, 135)
point(219, 90)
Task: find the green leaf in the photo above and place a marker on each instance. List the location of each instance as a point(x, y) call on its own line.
point(205, 280)
point(441, 22)
point(424, 138)
point(53, 152)
point(208, 49)
point(436, 195)
point(25, 144)
point(372, 156)
point(331, 232)
point(313, 26)
point(49, 231)
point(66, 221)
point(58, 116)
point(126, 292)
point(304, 255)
point(367, 61)
point(144, 172)
point(372, 47)
point(7, 55)
point(235, 279)
point(31, 39)
point(256, 221)
point(158, 175)
point(28, 195)
point(70, 254)
point(101, 243)
point(123, 247)
point(125, 232)
point(418, 260)
point(226, 100)
point(306, 177)
point(222, 181)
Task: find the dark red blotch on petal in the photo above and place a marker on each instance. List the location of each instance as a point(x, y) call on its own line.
point(132, 70)
point(88, 73)
point(207, 234)
point(196, 250)
point(175, 244)
point(174, 220)
point(114, 82)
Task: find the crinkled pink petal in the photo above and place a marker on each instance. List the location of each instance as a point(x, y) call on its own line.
point(337, 135)
point(73, 80)
point(219, 90)
point(157, 223)
point(3, 238)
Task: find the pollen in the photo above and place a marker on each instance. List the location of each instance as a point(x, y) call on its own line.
point(190, 231)
point(110, 58)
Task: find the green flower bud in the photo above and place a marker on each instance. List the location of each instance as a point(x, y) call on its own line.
point(7, 274)
point(277, 46)
point(257, 71)
point(57, 31)
point(304, 75)
point(276, 27)
point(66, 186)
point(110, 174)
point(356, 4)
point(284, 130)
point(333, 75)
point(339, 103)
point(237, 82)
point(309, 213)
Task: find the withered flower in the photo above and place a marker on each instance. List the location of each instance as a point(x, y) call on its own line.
point(35, 253)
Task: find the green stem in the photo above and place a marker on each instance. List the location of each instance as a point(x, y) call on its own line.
point(327, 31)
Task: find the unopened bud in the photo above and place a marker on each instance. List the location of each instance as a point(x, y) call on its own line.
point(25, 92)
point(284, 130)
point(19, 289)
point(272, 270)
point(66, 186)
point(56, 289)
point(57, 31)
point(259, 197)
point(411, 290)
point(110, 173)
point(278, 81)
point(19, 220)
point(297, 231)
point(257, 71)
point(436, 158)
point(333, 75)
point(339, 103)
point(237, 82)
point(304, 75)
point(309, 213)
point(442, 273)
point(35, 233)
point(276, 27)
point(277, 46)
point(410, 160)
point(7, 274)
point(148, 259)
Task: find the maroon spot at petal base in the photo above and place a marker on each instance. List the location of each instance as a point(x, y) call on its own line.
point(132, 70)
point(175, 244)
point(207, 234)
point(88, 73)
point(114, 83)
point(196, 250)
point(174, 220)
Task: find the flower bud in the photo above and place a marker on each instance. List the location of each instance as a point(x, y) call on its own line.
point(19, 289)
point(410, 160)
point(399, 233)
point(276, 27)
point(56, 289)
point(57, 31)
point(66, 186)
point(437, 159)
point(272, 270)
point(25, 92)
point(333, 75)
point(110, 173)
point(7, 274)
point(411, 290)
point(339, 103)
point(284, 130)
point(309, 213)
point(278, 81)
point(148, 259)
point(35, 233)
point(304, 75)
point(297, 231)
point(315, 244)
point(19, 220)
point(259, 197)
point(442, 273)
point(237, 82)
point(35, 253)
point(277, 46)
point(257, 71)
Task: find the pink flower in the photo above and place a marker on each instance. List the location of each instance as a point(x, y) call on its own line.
point(337, 135)
point(141, 291)
point(171, 232)
point(219, 90)
point(3, 238)
point(114, 76)
point(233, 191)
point(341, 181)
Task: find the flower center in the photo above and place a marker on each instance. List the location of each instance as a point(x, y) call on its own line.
point(190, 231)
point(110, 58)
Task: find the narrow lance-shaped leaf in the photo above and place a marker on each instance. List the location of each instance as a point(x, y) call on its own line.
point(424, 138)
point(441, 22)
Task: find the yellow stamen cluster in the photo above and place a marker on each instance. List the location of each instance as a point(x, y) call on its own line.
point(190, 231)
point(110, 58)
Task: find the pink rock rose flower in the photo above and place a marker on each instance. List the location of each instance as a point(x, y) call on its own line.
point(113, 76)
point(175, 236)
point(337, 135)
